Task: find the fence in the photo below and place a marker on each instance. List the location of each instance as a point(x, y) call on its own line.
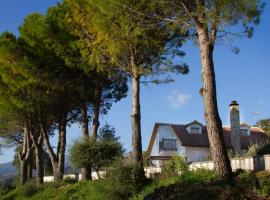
point(75, 176)
point(256, 163)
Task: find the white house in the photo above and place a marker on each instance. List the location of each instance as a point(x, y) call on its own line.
point(191, 140)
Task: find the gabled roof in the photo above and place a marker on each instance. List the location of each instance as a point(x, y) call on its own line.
point(194, 122)
point(201, 140)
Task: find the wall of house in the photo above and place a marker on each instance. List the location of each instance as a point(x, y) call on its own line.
point(195, 154)
point(165, 132)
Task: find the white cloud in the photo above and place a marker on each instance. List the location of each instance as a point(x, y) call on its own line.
point(178, 99)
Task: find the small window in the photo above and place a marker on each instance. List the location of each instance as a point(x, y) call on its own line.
point(168, 144)
point(243, 131)
point(195, 130)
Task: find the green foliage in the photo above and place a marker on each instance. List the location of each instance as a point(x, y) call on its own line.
point(265, 125)
point(107, 133)
point(174, 167)
point(258, 149)
point(187, 178)
point(95, 154)
point(23, 191)
point(6, 188)
point(264, 182)
point(125, 180)
point(265, 149)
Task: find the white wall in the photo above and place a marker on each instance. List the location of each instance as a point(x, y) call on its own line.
point(165, 132)
point(196, 154)
point(192, 153)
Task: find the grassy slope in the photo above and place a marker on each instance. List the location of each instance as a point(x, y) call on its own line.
point(81, 190)
point(189, 186)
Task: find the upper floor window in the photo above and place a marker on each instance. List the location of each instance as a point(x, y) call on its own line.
point(195, 130)
point(168, 144)
point(244, 132)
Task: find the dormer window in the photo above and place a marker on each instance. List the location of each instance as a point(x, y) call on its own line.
point(244, 132)
point(195, 130)
point(194, 127)
point(244, 129)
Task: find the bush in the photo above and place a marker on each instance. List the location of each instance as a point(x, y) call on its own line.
point(6, 188)
point(96, 154)
point(23, 191)
point(264, 182)
point(174, 167)
point(265, 149)
point(186, 178)
point(258, 150)
point(126, 179)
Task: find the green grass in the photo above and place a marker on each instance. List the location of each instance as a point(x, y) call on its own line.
point(84, 190)
point(191, 185)
point(188, 178)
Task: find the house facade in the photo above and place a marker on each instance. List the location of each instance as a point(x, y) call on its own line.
point(191, 140)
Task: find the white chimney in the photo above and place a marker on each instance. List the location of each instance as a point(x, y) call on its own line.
point(235, 127)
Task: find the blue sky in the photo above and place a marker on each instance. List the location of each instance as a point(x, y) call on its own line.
point(244, 77)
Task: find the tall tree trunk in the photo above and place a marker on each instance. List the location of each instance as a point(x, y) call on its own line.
point(30, 158)
point(39, 164)
point(85, 122)
point(86, 172)
point(136, 118)
point(23, 171)
point(37, 139)
point(25, 154)
point(96, 112)
point(58, 159)
point(61, 149)
point(49, 148)
point(213, 121)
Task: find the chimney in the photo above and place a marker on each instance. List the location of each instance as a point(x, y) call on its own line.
point(235, 127)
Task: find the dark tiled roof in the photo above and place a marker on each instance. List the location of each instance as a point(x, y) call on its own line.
point(201, 140)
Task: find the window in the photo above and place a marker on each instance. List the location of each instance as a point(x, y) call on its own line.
point(243, 131)
point(168, 144)
point(195, 130)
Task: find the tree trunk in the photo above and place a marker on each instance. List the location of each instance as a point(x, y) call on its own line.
point(23, 172)
point(24, 155)
point(136, 117)
point(61, 149)
point(213, 121)
point(86, 172)
point(39, 164)
point(85, 122)
point(58, 159)
point(96, 111)
point(30, 158)
point(37, 139)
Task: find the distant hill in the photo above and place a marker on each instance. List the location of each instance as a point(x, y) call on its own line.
point(7, 173)
point(7, 169)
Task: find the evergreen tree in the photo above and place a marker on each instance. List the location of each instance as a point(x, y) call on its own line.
point(208, 21)
point(130, 43)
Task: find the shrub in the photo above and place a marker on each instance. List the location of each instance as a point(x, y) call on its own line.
point(95, 154)
point(6, 188)
point(265, 149)
point(174, 167)
point(187, 178)
point(258, 149)
point(124, 178)
point(264, 182)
